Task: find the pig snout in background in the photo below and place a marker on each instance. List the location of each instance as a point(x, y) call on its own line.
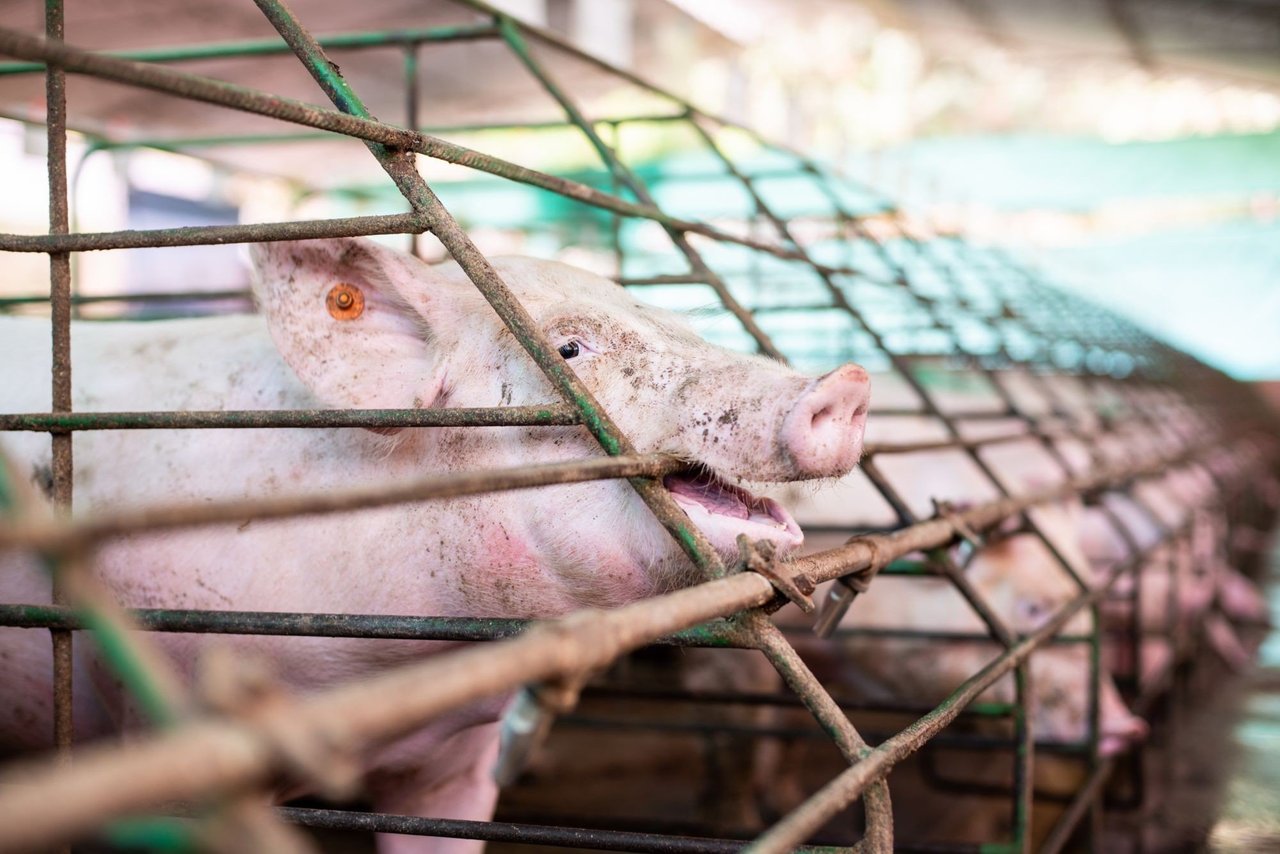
point(1021, 582)
point(1179, 584)
point(417, 337)
point(1017, 575)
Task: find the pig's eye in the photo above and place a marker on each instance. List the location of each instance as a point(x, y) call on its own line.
point(569, 349)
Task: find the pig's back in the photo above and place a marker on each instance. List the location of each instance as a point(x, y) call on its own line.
point(174, 364)
point(217, 363)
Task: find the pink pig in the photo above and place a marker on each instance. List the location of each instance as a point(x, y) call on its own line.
point(423, 337)
point(1018, 576)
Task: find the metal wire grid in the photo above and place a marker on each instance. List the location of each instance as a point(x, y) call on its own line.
point(1032, 330)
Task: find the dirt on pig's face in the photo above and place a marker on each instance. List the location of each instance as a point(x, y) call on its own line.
point(730, 417)
point(435, 342)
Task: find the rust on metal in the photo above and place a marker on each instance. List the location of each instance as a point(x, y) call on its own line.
point(265, 734)
point(759, 556)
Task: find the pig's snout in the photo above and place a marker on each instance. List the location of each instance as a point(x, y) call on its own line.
point(1121, 733)
point(822, 434)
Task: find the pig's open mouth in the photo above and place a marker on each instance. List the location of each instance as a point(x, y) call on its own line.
point(723, 511)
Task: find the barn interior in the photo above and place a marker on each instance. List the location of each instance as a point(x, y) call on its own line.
point(1048, 232)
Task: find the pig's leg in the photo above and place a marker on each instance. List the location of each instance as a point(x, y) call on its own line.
point(1224, 641)
point(465, 791)
point(26, 669)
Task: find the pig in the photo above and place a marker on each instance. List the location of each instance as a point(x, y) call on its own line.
point(1022, 583)
point(1181, 582)
point(1017, 575)
point(406, 335)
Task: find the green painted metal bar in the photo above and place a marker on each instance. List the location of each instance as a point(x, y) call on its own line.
point(180, 144)
point(403, 171)
point(1024, 758)
point(273, 47)
point(841, 791)
point(144, 675)
point(142, 672)
point(370, 626)
point(584, 641)
point(162, 79)
point(154, 834)
point(550, 414)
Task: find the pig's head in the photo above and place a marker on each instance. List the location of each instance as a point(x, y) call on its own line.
point(1023, 581)
point(367, 327)
point(1060, 679)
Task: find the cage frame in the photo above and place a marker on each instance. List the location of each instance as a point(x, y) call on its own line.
point(732, 591)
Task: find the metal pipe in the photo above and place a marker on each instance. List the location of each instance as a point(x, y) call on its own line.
point(549, 414)
point(60, 305)
point(274, 47)
point(54, 536)
point(218, 756)
point(518, 834)
point(511, 35)
point(836, 795)
point(212, 235)
point(211, 91)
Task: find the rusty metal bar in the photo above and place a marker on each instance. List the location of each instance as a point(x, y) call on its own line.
point(218, 756)
point(212, 235)
point(517, 834)
point(549, 414)
point(211, 91)
point(879, 810)
point(511, 35)
point(1086, 796)
point(60, 303)
point(272, 47)
point(837, 794)
point(54, 536)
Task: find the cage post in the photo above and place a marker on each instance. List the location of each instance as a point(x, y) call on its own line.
point(60, 303)
point(412, 99)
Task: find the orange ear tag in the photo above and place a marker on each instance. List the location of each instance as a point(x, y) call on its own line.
point(345, 302)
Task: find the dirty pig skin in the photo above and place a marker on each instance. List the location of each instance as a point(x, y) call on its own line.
point(350, 324)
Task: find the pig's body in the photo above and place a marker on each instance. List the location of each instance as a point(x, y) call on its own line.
point(424, 338)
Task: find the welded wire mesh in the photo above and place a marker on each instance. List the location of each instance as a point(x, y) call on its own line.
point(807, 267)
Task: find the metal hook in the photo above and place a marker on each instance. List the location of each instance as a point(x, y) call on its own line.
point(528, 721)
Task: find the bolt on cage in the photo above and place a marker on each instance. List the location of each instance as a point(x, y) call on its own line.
point(913, 299)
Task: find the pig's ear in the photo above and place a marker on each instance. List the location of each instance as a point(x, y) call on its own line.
point(353, 320)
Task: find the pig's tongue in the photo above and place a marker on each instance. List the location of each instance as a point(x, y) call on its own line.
point(717, 497)
point(720, 499)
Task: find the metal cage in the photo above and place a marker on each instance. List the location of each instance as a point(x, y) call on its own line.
point(904, 298)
